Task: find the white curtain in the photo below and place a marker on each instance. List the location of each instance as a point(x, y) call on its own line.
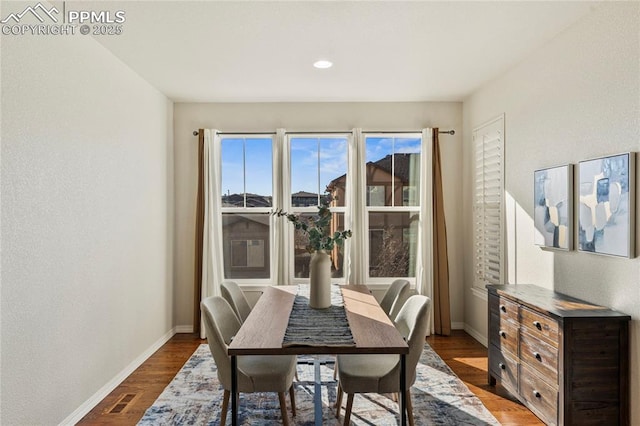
point(424, 263)
point(355, 216)
point(212, 259)
point(280, 229)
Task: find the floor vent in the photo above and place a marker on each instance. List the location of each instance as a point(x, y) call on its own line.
point(123, 402)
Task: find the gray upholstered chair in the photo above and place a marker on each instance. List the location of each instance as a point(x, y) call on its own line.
point(255, 373)
point(394, 297)
point(233, 294)
point(381, 373)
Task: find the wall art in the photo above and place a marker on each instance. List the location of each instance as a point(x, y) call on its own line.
point(606, 205)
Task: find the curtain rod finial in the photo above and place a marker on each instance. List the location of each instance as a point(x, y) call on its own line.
point(196, 133)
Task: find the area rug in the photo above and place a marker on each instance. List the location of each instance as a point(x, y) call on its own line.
point(194, 397)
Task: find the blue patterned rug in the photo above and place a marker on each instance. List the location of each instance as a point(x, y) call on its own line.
point(194, 397)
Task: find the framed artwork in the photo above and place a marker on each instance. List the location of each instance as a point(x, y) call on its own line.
point(606, 208)
point(553, 207)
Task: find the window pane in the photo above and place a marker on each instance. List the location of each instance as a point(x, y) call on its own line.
point(333, 168)
point(317, 164)
point(302, 256)
point(246, 245)
point(246, 166)
point(407, 170)
point(232, 172)
point(393, 244)
point(258, 167)
point(393, 171)
point(379, 171)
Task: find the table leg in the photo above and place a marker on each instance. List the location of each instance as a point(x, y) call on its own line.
point(234, 390)
point(403, 391)
point(317, 393)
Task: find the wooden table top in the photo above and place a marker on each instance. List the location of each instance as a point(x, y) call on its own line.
point(263, 331)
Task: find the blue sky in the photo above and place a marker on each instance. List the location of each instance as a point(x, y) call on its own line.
point(328, 156)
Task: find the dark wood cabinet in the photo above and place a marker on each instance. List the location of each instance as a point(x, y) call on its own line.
point(567, 360)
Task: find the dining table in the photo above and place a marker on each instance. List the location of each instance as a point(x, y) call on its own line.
point(263, 332)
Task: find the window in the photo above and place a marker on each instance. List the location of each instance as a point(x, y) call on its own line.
point(246, 204)
point(311, 167)
point(488, 206)
point(393, 205)
point(318, 163)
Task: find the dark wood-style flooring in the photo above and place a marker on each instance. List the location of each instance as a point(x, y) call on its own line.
point(466, 357)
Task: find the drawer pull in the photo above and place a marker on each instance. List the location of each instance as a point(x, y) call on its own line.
point(503, 308)
point(503, 334)
point(536, 394)
point(502, 366)
point(537, 325)
point(538, 356)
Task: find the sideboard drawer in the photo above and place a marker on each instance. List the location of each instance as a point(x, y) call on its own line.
point(504, 368)
point(542, 398)
point(540, 326)
point(504, 334)
point(506, 309)
point(540, 356)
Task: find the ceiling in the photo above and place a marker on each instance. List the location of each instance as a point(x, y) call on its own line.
point(240, 51)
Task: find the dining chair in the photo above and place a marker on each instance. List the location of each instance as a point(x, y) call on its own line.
point(273, 373)
point(233, 294)
point(380, 373)
point(394, 297)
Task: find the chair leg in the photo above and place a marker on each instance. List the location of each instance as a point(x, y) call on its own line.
point(409, 407)
point(283, 409)
point(347, 411)
point(292, 396)
point(225, 406)
point(335, 369)
point(338, 401)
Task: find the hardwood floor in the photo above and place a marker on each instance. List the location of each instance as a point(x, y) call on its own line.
point(466, 357)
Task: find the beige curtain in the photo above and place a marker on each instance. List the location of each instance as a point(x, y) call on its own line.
point(197, 280)
point(441, 305)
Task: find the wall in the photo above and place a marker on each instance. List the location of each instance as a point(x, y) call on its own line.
point(576, 98)
point(87, 225)
point(307, 117)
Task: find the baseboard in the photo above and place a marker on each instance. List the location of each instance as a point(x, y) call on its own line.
point(457, 326)
point(476, 335)
point(183, 329)
point(94, 400)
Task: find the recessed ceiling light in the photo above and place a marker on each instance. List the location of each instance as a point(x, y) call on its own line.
point(322, 64)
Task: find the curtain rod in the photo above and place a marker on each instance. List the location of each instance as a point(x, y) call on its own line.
point(448, 132)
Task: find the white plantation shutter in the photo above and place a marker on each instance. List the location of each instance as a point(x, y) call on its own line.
point(488, 205)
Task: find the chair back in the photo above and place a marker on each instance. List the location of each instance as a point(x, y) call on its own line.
point(233, 294)
point(221, 324)
point(401, 298)
point(392, 294)
point(412, 322)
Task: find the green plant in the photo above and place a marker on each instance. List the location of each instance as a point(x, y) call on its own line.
point(317, 227)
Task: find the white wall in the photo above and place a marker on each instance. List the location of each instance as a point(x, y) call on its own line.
point(308, 117)
point(87, 223)
point(576, 98)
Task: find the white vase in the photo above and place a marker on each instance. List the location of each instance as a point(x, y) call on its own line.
point(320, 280)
